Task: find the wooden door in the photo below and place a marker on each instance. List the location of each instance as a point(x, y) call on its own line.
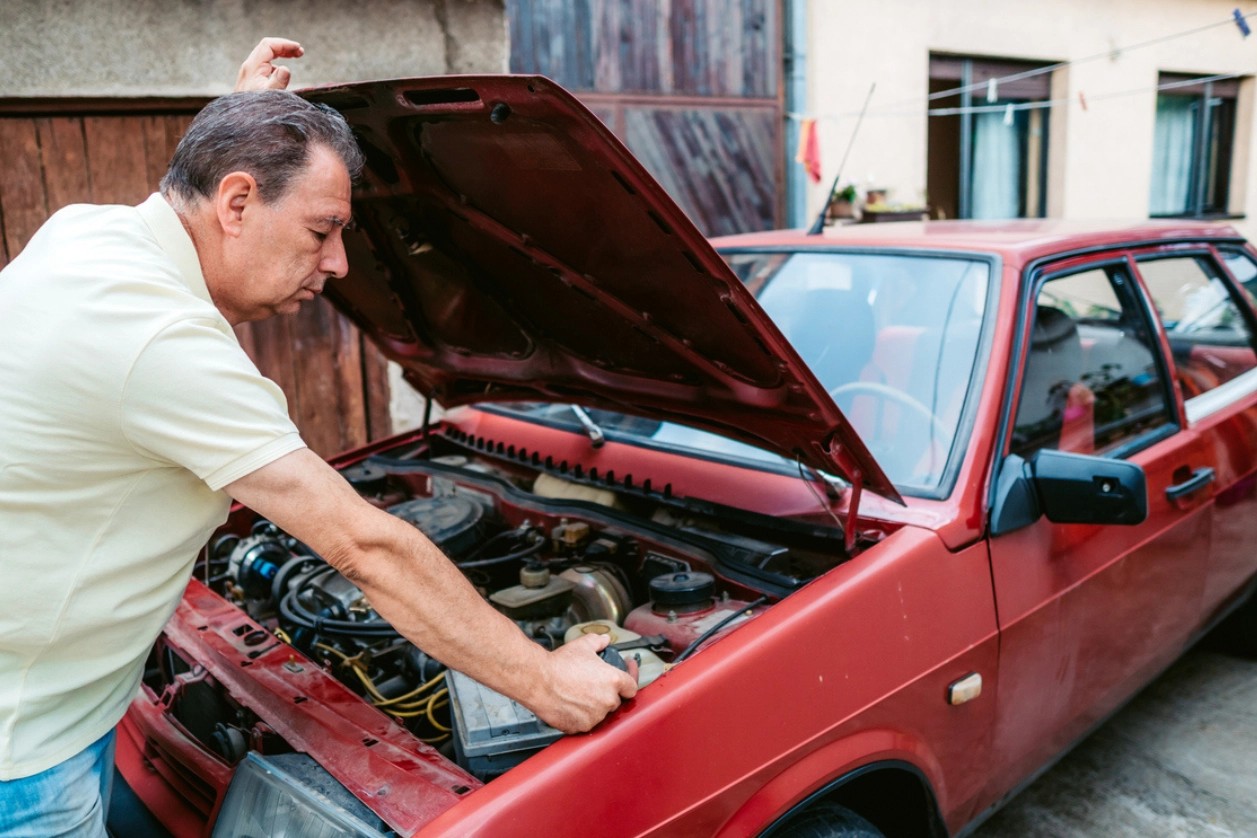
point(692, 87)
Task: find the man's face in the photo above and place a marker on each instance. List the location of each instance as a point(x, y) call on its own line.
point(285, 251)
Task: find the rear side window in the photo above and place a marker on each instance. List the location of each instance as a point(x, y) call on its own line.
point(1244, 269)
point(1208, 333)
point(1091, 380)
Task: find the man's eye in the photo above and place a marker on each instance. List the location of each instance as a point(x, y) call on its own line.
point(318, 235)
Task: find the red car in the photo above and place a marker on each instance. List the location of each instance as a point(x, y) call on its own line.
point(889, 516)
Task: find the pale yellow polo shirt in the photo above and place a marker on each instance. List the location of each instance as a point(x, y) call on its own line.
point(126, 404)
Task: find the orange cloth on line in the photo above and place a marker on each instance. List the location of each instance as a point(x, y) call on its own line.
point(809, 151)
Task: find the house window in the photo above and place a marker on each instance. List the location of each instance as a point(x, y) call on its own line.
point(1192, 146)
point(987, 138)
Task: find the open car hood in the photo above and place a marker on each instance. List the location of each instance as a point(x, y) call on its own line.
point(506, 246)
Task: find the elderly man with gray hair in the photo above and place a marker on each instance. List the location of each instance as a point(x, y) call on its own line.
point(132, 418)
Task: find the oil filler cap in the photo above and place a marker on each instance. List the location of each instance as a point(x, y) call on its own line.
point(688, 590)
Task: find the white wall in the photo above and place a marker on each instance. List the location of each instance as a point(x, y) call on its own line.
point(1099, 159)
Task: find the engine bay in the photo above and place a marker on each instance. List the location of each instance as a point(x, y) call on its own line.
point(559, 557)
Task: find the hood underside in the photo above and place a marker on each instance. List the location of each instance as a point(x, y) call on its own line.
point(506, 246)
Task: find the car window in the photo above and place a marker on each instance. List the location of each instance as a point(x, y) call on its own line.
point(1209, 336)
point(1091, 380)
point(1244, 269)
point(893, 338)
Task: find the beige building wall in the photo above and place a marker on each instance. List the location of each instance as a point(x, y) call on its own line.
point(1100, 158)
point(53, 48)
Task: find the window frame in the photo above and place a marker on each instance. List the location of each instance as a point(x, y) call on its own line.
point(1134, 295)
point(971, 72)
point(1224, 95)
point(1220, 398)
point(1248, 295)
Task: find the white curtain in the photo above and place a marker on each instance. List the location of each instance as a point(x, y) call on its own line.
point(1172, 150)
point(996, 166)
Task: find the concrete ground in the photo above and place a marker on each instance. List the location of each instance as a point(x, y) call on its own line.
point(1179, 760)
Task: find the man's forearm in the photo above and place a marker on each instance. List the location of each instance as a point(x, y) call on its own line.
point(413, 586)
point(426, 597)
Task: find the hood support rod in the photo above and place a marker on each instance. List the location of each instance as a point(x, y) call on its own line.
point(427, 426)
point(853, 516)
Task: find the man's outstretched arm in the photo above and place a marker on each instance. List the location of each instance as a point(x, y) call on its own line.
point(427, 599)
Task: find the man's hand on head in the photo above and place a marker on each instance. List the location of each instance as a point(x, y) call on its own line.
point(258, 72)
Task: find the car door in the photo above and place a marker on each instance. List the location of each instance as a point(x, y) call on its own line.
point(1088, 613)
point(1209, 329)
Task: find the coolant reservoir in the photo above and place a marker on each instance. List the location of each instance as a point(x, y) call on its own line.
point(682, 607)
point(649, 665)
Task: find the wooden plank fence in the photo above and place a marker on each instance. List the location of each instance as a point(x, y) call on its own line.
point(52, 155)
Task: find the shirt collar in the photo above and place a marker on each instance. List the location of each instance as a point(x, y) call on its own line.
point(173, 238)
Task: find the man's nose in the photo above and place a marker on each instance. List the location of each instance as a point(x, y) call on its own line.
point(335, 261)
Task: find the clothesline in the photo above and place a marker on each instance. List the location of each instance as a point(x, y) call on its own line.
point(1007, 107)
point(1235, 19)
point(992, 85)
point(1047, 103)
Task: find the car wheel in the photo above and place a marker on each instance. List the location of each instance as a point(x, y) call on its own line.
point(827, 820)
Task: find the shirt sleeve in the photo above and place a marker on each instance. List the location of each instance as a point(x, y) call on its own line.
point(193, 398)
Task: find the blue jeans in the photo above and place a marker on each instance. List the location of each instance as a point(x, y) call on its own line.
point(69, 799)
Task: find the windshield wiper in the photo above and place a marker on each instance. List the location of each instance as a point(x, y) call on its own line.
point(596, 436)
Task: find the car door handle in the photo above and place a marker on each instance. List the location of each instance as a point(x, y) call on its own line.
point(1200, 478)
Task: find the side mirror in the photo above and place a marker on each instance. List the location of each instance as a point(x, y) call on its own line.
point(1068, 489)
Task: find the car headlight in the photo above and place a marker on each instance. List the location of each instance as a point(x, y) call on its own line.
point(291, 795)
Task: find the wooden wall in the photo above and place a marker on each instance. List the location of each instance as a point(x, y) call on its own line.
point(692, 87)
point(55, 154)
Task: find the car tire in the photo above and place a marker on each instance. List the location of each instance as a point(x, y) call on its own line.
point(1237, 634)
point(827, 820)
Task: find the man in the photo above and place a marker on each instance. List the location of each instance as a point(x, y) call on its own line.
point(131, 418)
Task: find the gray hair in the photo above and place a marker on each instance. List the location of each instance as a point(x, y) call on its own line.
point(267, 133)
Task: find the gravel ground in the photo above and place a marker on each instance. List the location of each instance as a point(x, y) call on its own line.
point(1179, 760)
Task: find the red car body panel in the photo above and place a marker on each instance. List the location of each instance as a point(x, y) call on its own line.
point(1059, 588)
point(405, 781)
point(846, 679)
point(713, 769)
point(181, 783)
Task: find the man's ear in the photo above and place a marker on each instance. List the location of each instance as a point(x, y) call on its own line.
point(236, 191)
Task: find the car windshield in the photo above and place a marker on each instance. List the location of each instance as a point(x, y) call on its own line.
point(893, 338)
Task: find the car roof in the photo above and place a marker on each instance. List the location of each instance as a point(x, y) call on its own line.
point(1017, 242)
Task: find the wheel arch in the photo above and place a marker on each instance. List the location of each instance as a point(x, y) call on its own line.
point(894, 795)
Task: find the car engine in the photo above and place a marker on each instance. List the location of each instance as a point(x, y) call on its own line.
point(557, 557)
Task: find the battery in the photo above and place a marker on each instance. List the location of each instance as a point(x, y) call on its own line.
point(492, 733)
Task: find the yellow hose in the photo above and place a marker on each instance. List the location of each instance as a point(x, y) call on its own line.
point(403, 706)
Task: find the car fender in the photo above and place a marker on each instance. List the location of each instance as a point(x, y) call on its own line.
point(828, 768)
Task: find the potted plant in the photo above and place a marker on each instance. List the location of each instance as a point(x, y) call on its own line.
point(842, 203)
